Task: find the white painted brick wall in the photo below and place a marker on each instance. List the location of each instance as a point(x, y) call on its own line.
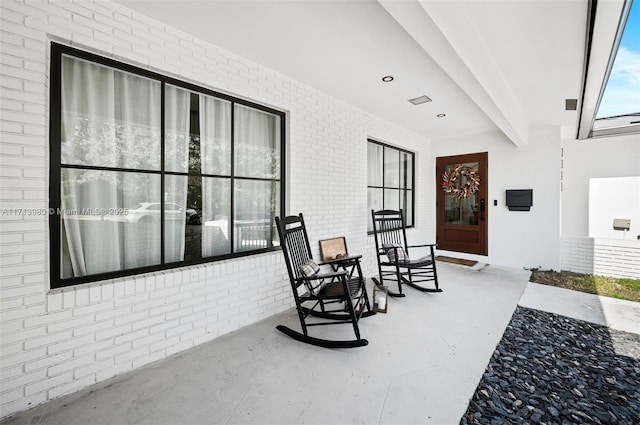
point(56, 342)
point(577, 254)
point(617, 258)
point(606, 257)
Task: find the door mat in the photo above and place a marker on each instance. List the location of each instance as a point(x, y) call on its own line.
point(444, 259)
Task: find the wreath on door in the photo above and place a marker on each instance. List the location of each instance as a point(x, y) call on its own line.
point(451, 181)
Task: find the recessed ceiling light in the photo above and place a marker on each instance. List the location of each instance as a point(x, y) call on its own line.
point(441, 115)
point(419, 100)
point(387, 78)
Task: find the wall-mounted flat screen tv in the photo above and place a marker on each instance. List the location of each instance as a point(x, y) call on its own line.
point(519, 199)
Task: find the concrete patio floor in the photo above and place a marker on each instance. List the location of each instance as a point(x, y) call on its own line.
point(424, 360)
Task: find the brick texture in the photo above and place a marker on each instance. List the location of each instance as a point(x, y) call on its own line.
point(54, 342)
point(606, 257)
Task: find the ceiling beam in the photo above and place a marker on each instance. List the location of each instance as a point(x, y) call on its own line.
point(446, 32)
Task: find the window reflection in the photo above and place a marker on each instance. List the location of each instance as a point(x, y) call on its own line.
point(108, 221)
point(257, 203)
point(109, 118)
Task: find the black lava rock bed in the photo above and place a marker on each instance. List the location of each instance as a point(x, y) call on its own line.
point(550, 369)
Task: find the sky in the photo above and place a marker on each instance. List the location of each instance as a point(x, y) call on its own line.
point(622, 93)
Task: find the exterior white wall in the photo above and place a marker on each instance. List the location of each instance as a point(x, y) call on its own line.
point(593, 159)
point(517, 238)
point(55, 342)
point(613, 198)
point(587, 246)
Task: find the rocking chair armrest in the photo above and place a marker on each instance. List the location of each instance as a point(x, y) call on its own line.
point(350, 258)
point(322, 276)
point(420, 246)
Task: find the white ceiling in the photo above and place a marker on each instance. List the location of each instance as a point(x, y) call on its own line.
point(486, 64)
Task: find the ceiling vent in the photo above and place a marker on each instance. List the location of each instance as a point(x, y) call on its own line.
point(419, 100)
point(570, 104)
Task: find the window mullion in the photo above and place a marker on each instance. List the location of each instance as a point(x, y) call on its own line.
point(162, 174)
point(232, 209)
point(383, 178)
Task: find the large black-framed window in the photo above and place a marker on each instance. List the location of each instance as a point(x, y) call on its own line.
point(149, 172)
point(390, 180)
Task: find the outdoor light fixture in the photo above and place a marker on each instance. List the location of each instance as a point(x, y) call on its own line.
point(419, 100)
point(387, 78)
point(623, 224)
point(380, 298)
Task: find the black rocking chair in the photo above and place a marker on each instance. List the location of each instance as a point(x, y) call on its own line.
point(394, 264)
point(314, 291)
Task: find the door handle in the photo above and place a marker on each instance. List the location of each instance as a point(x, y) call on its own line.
point(482, 208)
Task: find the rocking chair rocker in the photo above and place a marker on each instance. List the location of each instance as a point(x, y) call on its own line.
point(394, 264)
point(314, 291)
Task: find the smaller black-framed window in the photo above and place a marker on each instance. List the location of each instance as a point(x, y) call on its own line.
point(390, 180)
point(148, 172)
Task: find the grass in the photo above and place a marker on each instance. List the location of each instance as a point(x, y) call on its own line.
point(624, 289)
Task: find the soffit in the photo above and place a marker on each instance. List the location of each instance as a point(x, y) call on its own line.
point(342, 48)
point(489, 64)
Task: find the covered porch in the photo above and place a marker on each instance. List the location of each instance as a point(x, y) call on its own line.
point(174, 319)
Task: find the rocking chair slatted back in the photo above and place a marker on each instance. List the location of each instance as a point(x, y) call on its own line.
point(390, 227)
point(296, 248)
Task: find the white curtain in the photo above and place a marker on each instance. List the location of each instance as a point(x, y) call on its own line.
point(257, 154)
point(257, 143)
point(374, 178)
point(109, 119)
point(374, 164)
point(391, 167)
point(215, 155)
point(176, 125)
point(177, 139)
